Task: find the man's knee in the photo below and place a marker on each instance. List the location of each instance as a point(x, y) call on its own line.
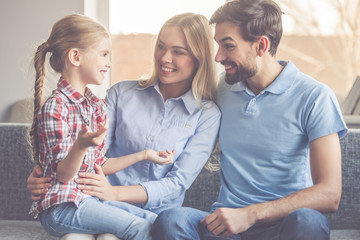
point(305, 223)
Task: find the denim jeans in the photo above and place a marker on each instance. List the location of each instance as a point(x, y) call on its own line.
point(93, 216)
point(183, 223)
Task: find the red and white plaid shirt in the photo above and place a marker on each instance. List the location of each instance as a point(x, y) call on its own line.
point(61, 118)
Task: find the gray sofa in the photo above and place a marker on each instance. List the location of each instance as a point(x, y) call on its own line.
point(15, 166)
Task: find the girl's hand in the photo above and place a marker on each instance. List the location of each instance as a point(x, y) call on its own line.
point(88, 139)
point(96, 185)
point(161, 158)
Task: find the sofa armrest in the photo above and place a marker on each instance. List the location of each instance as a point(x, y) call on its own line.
point(348, 214)
point(15, 167)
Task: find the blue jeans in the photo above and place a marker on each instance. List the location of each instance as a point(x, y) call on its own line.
point(183, 223)
point(93, 216)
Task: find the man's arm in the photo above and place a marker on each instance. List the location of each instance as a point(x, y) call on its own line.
point(323, 196)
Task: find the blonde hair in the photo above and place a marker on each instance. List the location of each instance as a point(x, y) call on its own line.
point(72, 31)
point(199, 37)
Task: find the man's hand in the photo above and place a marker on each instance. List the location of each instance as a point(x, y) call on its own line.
point(225, 222)
point(37, 184)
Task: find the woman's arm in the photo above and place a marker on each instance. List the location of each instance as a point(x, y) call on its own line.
point(36, 184)
point(97, 185)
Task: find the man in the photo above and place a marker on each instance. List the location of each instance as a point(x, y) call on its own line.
point(279, 137)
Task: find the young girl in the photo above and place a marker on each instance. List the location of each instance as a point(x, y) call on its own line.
point(68, 131)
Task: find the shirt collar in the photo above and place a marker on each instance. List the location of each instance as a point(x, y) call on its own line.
point(74, 95)
point(282, 83)
point(189, 101)
point(285, 79)
point(187, 98)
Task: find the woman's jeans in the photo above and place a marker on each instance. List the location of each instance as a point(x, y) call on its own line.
point(93, 216)
point(183, 224)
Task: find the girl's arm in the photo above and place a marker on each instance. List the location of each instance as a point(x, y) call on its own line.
point(70, 165)
point(113, 165)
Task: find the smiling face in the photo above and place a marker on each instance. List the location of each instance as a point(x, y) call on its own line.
point(237, 55)
point(95, 62)
point(174, 63)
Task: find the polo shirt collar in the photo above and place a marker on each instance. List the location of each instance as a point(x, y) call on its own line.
point(285, 79)
point(282, 83)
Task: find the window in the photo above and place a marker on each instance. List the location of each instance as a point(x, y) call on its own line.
point(134, 26)
point(324, 44)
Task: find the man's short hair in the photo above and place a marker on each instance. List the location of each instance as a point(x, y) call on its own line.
point(254, 18)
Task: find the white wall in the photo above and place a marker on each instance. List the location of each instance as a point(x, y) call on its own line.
point(24, 25)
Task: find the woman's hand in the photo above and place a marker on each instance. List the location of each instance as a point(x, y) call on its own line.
point(161, 158)
point(37, 184)
point(96, 184)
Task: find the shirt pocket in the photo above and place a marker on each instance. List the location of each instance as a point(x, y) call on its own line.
point(177, 132)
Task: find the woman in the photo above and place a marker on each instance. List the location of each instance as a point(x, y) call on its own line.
point(173, 109)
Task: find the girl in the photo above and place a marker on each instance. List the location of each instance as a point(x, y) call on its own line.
point(68, 131)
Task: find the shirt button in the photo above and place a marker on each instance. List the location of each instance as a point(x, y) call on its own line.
point(151, 138)
point(160, 121)
point(253, 100)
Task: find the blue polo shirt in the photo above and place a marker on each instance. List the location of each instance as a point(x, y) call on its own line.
point(139, 118)
point(265, 138)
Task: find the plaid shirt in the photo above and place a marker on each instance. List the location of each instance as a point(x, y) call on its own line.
point(61, 118)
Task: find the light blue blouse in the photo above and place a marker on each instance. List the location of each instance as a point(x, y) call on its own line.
point(140, 119)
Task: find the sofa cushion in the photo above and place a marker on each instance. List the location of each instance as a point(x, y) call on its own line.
point(15, 167)
point(345, 234)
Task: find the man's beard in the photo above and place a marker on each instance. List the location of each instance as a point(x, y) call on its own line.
point(242, 74)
